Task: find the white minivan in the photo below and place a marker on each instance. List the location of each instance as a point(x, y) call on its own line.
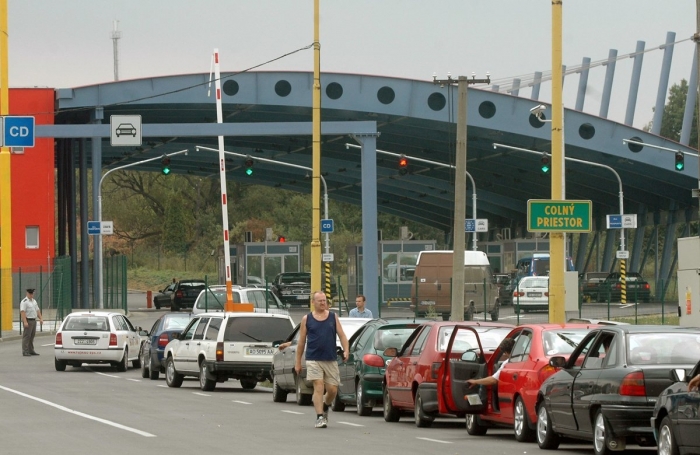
point(263, 300)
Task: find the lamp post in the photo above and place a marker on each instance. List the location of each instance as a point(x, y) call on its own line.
point(98, 244)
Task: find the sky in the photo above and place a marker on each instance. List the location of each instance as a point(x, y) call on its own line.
point(67, 43)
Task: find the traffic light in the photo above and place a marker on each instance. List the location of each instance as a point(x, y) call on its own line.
point(248, 165)
point(281, 239)
point(546, 163)
point(680, 161)
point(403, 165)
point(165, 170)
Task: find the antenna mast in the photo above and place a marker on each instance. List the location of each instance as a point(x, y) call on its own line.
point(116, 35)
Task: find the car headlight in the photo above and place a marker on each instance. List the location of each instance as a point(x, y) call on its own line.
point(286, 292)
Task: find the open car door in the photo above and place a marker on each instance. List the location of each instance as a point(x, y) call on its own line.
point(464, 360)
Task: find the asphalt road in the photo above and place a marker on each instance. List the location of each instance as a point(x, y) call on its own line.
point(94, 409)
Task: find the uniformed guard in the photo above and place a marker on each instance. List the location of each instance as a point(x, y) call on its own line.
point(29, 311)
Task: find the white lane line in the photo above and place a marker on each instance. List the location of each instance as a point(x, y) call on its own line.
point(293, 412)
point(80, 414)
point(435, 440)
point(241, 402)
point(135, 380)
point(162, 385)
point(50, 344)
point(201, 394)
point(105, 374)
point(351, 424)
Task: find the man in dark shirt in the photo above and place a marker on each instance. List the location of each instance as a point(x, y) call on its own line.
point(320, 328)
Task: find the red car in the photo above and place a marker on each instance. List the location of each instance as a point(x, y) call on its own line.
point(411, 377)
point(512, 402)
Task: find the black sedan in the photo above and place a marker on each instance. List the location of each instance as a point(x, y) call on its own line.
point(605, 392)
point(151, 356)
point(637, 289)
point(164, 297)
point(676, 418)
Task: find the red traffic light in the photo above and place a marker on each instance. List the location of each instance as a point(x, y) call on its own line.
point(403, 165)
point(281, 239)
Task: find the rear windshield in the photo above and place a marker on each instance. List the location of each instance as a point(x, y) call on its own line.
point(562, 341)
point(176, 322)
point(392, 338)
point(490, 338)
point(213, 300)
point(191, 285)
point(87, 323)
point(257, 329)
point(664, 348)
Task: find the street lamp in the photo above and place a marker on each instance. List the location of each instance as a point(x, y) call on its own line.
point(98, 246)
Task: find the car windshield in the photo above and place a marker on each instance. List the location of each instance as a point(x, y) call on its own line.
point(212, 300)
point(250, 329)
point(391, 337)
point(176, 322)
point(534, 283)
point(289, 279)
point(562, 341)
point(664, 348)
point(87, 323)
point(490, 338)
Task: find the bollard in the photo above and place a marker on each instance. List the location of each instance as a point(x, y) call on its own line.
point(149, 299)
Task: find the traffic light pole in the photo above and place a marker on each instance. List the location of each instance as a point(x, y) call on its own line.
point(97, 253)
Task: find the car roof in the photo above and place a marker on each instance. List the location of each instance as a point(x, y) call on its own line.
point(230, 314)
point(631, 329)
point(96, 313)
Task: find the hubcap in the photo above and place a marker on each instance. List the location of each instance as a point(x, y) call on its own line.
point(470, 420)
point(665, 441)
point(170, 371)
point(519, 418)
point(542, 424)
point(599, 434)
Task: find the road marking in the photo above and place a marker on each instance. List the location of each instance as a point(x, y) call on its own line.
point(162, 385)
point(293, 412)
point(435, 440)
point(351, 424)
point(201, 394)
point(135, 380)
point(104, 374)
point(241, 402)
point(50, 344)
point(80, 414)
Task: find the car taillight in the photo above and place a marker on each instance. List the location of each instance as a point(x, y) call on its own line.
point(519, 294)
point(112, 339)
point(435, 369)
point(178, 294)
point(646, 286)
point(546, 372)
point(373, 360)
point(618, 286)
point(163, 340)
point(220, 351)
point(633, 385)
point(59, 339)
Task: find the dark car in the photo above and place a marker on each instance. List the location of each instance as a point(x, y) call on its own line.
point(164, 297)
point(185, 294)
point(591, 283)
point(637, 288)
point(506, 285)
point(361, 376)
point(676, 417)
point(606, 391)
point(293, 288)
point(169, 324)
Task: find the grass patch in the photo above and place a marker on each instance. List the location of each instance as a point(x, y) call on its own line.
point(650, 319)
point(145, 279)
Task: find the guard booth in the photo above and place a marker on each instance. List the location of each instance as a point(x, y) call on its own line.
point(397, 264)
point(255, 263)
point(504, 254)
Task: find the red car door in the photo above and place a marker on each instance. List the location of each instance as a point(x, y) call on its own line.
point(404, 397)
point(514, 376)
point(455, 395)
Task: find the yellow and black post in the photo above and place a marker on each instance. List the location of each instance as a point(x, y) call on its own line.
point(327, 283)
point(623, 281)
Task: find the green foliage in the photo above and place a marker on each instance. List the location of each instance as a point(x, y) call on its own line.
point(673, 114)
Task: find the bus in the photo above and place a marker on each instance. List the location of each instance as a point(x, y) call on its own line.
point(537, 264)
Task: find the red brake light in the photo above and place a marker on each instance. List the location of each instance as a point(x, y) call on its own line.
point(633, 385)
point(163, 340)
point(220, 351)
point(518, 294)
point(178, 294)
point(373, 360)
point(646, 286)
point(59, 339)
point(435, 369)
point(112, 339)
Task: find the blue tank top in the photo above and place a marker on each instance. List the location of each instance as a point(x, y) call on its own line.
point(320, 338)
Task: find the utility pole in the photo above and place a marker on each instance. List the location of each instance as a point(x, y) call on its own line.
point(116, 35)
point(458, 243)
point(316, 162)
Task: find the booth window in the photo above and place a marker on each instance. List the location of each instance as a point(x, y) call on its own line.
point(31, 237)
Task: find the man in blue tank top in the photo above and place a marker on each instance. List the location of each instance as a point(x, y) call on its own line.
point(318, 333)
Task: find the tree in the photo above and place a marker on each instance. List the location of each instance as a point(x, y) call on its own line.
point(673, 115)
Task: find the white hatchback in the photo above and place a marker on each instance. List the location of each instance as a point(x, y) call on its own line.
point(531, 294)
point(215, 299)
point(97, 337)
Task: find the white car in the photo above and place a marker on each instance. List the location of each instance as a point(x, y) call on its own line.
point(215, 299)
point(531, 294)
point(97, 337)
point(218, 346)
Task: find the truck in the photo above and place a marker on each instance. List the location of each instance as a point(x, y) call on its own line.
point(431, 291)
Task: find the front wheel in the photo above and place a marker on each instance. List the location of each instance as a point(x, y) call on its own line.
point(303, 399)
point(172, 377)
point(474, 426)
point(278, 395)
point(667, 443)
point(521, 427)
point(337, 405)
point(391, 414)
point(547, 439)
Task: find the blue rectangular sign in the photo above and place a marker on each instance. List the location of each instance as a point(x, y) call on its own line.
point(470, 225)
point(615, 221)
point(326, 226)
point(93, 227)
point(18, 132)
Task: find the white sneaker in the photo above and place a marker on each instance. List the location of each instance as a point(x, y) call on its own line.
point(321, 422)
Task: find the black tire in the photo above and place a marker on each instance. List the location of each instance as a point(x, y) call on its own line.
point(423, 420)
point(601, 435)
point(145, 364)
point(362, 408)
point(474, 425)
point(157, 306)
point(137, 363)
point(391, 414)
point(278, 395)
point(495, 312)
point(521, 423)
point(123, 363)
point(303, 399)
point(172, 377)
point(337, 405)
point(153, 369)
point(667, 442)
point(59, 364)
point(248, 384)
point(547, 439)
point(205, 383)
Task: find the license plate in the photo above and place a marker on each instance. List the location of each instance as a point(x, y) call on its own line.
point(260, 351)
point(304, 297)
point(534, 294)
point(427, 302)
point(88, 341)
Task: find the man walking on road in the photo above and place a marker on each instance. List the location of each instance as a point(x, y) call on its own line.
point(320, 328)
point(28, 312)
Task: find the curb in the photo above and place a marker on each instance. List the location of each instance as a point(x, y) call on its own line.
point(19, 337)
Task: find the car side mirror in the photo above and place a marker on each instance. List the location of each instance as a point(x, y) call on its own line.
point(677, 375)
point(391, 352)
point(557, 361)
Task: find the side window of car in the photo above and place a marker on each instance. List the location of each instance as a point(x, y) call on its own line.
point(129, 325)
point(420, 341)
point(120, 323)
point(521, 350)
point(581, 351)
point(258, 298)
point(213, 329)
point(363, 338)
point(189, 331)
point(199, 332)
point(154, 329)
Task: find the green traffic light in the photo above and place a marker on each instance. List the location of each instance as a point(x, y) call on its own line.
point(166, 171)
point(680, 161)
point(545, 169)
point(249, 171)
